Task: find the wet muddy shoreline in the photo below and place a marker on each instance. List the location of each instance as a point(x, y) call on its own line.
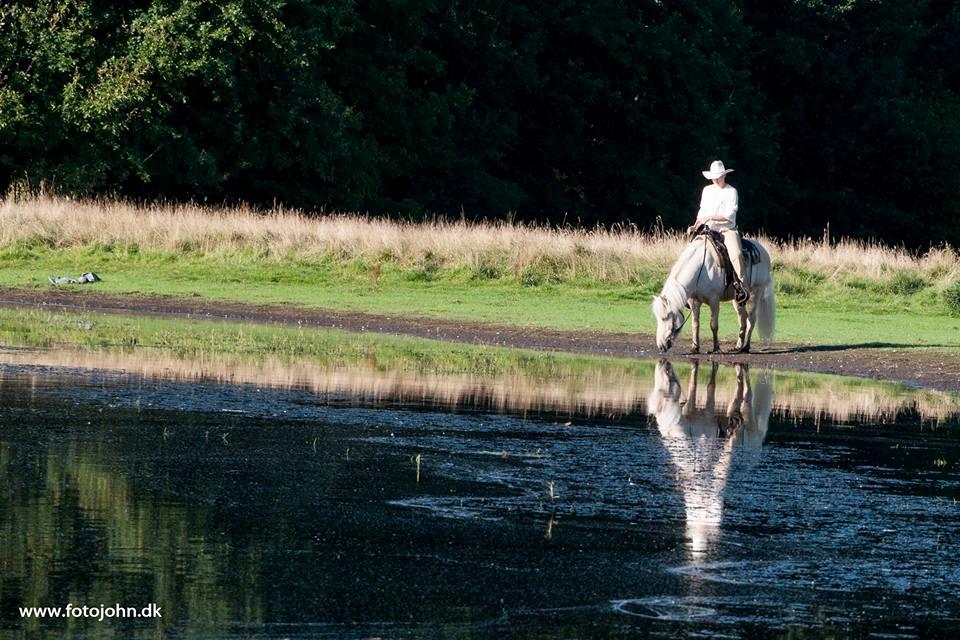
point(926, 367)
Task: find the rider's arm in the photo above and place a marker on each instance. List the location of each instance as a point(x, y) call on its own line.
point(724, 209)
point(729, 206)
point(707, 205)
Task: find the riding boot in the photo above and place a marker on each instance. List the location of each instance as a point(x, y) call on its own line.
point(740, 293)
point(731, 241)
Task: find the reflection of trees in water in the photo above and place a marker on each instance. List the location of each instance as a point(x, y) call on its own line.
point(76, 529)
point(588, 387)
point(80, 523)
point(703, 441)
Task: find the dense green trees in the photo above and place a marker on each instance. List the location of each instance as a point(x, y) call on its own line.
point(598, 112)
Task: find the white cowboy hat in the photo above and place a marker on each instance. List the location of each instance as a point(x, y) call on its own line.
point(716, 170)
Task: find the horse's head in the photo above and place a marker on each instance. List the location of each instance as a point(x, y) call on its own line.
point(666, 385)
point(669, 323)
point(664, 400)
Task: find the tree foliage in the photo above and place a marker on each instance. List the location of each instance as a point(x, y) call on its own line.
point(834, 112)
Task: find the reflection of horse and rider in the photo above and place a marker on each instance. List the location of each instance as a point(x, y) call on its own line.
point(717, 266)
point(703, 443)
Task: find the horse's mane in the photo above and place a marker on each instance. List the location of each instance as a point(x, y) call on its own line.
point(674, 290)
point(697, 244)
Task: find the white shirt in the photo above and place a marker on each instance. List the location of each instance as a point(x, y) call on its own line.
point(720, 203)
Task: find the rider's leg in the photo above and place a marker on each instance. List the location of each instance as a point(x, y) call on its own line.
point(731, 239)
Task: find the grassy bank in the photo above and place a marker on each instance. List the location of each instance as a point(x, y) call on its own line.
point(251, 342)
point(841, 292)
point(342, 364)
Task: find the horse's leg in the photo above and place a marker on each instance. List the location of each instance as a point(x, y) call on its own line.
point(742, 342)
point(712, 387)
point(743, 373)
point(715, 324)
point(751, 322)
point(735, 408)
point(741, 380)
point(690, 406)
point(695, 320)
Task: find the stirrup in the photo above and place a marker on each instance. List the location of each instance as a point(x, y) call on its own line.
point(740, 295)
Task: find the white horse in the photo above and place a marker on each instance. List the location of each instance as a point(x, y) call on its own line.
point(704, 441)
point(697, 278)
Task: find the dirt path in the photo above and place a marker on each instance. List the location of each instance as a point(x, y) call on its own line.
point(916, 366)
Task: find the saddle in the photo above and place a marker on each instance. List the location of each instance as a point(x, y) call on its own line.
point(750, 255)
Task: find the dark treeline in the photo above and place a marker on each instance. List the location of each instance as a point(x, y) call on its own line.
point(831, 111)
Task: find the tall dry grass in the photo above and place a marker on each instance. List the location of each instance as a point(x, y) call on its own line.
point(497, 248)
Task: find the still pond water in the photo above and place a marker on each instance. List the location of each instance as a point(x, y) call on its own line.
point(286, 501)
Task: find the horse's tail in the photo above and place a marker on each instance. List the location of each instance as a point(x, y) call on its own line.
point(767, 312)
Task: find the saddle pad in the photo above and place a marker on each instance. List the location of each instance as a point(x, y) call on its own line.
point(751, 253)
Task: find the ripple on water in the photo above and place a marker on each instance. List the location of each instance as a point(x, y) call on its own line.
point(841, 576)
point(721, 615)
point(663, 608)
point(456, 508)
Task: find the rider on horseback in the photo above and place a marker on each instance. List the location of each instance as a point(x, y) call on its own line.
point(718, 211)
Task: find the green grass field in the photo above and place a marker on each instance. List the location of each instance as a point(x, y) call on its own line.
point(811, 309)
point(273, 354)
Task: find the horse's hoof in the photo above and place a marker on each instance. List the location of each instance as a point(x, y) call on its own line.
point(717, 350)
point(694, 350)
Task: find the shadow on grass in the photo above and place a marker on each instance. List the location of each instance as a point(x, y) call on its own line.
point(827, 348)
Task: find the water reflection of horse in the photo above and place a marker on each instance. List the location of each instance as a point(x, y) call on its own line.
point(703, 443)
point(697, 278)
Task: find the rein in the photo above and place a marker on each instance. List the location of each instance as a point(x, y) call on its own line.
point(680, 328)
point(703, 263)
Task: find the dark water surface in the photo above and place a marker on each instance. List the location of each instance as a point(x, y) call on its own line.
point(260, 511)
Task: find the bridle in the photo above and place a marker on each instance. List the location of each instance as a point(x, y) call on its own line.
point(677, 331)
